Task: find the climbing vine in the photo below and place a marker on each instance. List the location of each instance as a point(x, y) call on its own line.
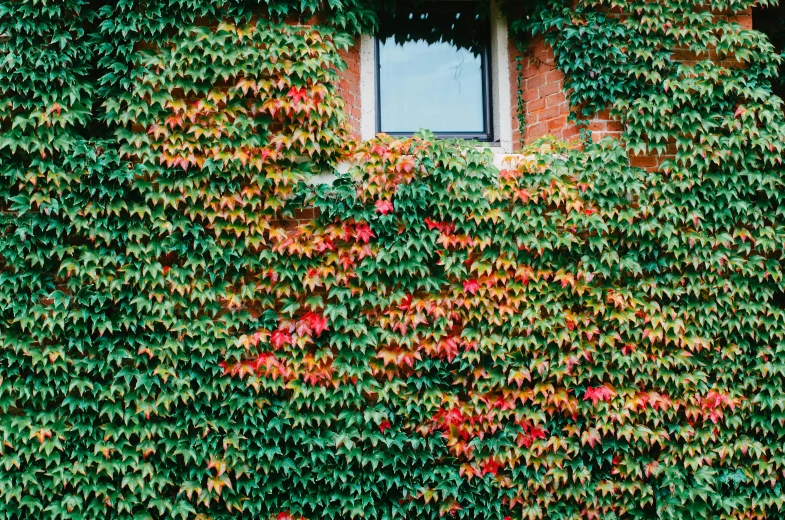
point(520, 113)
point(190, 327)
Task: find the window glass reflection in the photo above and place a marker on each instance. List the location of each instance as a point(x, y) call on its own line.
point(437, 86)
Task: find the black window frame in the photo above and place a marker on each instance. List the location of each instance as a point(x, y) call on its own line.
point(487, 136)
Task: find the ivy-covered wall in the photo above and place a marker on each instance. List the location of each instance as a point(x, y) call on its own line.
point(570, 337)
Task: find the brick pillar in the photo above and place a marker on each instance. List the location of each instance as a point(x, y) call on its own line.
point(349, 79)
point(349, 86)
point(541, 85)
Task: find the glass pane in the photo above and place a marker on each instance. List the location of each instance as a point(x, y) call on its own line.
point(437, 86)
point(431, 57)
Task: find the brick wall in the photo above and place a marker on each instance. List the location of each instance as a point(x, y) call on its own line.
point(745, 20)
point(540, 85)
point(349, 86)
point(545, 104)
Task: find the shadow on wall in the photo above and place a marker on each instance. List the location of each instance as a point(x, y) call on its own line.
point(771, 21)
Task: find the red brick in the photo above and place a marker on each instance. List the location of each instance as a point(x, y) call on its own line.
point(303, 214)
point(555, 100)
point(643, 161)
point(536, 130)
point(557, 124)
point(534, 81)
point(549, 113)
point(537, 104)
point(597, 136)
point(542, 52)
point(549, 88)
point(745, 20)
point(570, 131)
point(530, 95)
point(554, 76)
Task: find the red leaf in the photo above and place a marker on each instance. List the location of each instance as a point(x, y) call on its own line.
point(325, 244)
point(312, 323)
point(471, 286)
point(448, 348)
point(432, 224)
point(346, 261)
point(530, 433)
point(280, 338)
point(384, 425)
point(491, 466)
point(297, 95)
point(384, 206)
point(379, 149)
point(451, 417)
point(444, 227)
point(363, 232)
point(524, 439)
point(601, 393)
point(406, 303)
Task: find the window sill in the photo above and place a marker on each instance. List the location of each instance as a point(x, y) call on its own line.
point(501, 160)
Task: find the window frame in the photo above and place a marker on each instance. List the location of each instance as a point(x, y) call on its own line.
point(487, 103)
point(487, 136)
point(501, 85)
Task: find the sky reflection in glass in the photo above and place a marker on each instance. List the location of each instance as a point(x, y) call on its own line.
point(438, 87)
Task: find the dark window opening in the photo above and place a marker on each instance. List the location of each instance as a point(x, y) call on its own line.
point(770, 20)
point(433, 69)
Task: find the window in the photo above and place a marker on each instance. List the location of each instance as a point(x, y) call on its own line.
point(433, 69)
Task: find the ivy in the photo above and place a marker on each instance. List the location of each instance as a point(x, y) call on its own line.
point(190, 327)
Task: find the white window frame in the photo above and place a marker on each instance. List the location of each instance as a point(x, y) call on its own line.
point(501, 99)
